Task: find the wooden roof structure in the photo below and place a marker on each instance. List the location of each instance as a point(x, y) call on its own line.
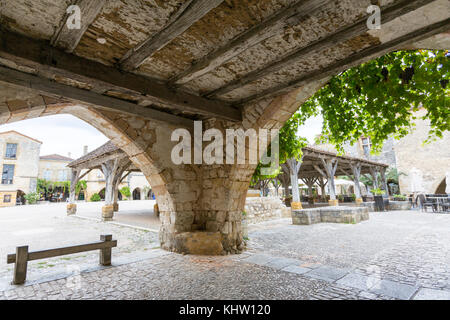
point(180, 60)
point(312, 158)
point(95, 158)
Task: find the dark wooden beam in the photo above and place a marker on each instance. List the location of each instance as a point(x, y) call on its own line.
point(343, 34)
point(55, 89)
point(351, 61)
point(187, 15)
point(53, 62)
point(68, 39)
point(268, 28)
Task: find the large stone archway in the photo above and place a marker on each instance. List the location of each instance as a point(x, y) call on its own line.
point(139, 82)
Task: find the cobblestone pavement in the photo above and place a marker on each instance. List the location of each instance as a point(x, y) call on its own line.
point(48, 226)
point(398, 255)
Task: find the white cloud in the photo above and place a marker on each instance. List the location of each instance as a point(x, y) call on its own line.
point(59, 134)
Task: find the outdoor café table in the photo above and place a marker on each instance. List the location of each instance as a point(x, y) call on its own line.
point(439, 201)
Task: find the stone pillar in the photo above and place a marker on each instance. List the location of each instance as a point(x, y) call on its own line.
point(356, 170)
point(71, 206)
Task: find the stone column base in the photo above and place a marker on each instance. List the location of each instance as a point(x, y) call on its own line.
point(71, 209)
point(333, 203)
point(116, 206)
point(296, 205)
point(358, 201)
point(107, 212)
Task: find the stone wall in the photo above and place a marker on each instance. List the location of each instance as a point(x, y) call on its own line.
point(265, 208)
point(330, 214)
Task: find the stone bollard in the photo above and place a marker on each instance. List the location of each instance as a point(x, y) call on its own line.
point(108, 212)
point(333, 203)
point(71, 209)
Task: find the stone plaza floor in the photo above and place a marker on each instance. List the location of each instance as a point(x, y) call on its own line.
point(393, 255)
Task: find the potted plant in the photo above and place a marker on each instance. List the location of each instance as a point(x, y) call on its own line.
point(378, 197)
point(399, 197)
point(340, 198)
point(244, 225)
point(288, 200)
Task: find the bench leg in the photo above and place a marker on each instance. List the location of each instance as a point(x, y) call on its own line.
point(20, 267)
point(105, 254)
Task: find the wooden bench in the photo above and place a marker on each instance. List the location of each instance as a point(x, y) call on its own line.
point(22, 256)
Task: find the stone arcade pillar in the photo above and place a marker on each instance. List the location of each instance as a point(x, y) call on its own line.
point(356, 170)
point(71, 206)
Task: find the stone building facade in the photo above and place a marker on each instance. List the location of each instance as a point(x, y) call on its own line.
point(423, 166)
point(54, 168)
point(19, 156)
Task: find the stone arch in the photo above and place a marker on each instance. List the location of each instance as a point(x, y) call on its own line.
point(20, 197)
point(133, 135)
point(440, 189)
point(101, 193)
point(136, 194)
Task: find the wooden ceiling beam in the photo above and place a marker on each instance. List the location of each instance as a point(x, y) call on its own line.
point(58, 90)
point(189, 13)
point(351, 61)
point(68, 39)
point(43, 59)
point(268, 28)
point(330, 41)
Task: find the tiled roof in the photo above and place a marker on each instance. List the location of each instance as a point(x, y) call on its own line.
point(108, 147)
point(55, 157)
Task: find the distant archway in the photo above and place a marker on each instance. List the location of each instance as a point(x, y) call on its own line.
point(102, 194)
point(137, 194)
point(20, 197)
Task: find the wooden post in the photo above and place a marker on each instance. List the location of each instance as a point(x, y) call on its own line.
point(374, 174)
point(105, 253)
point(294, 167)
point(356, 169)
point(384, 180)
point(20, 267)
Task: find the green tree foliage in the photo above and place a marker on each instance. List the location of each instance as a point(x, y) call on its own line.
point(95, 197)
point(378, 98)
point(125, 191)
point(81, 185)
point(32, 197)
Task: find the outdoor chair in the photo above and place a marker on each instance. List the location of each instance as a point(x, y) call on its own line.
point(424, 203)
point(446, 205)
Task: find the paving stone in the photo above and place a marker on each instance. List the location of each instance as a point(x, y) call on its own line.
point(356, 280)
point(432, 294)
point(259, 259)
point(280, 263)
point(296, 269)
point(327, 273)
point(394, 289)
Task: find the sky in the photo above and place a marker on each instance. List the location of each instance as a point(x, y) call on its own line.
point(59, 134)
point(63, 134)
point(311, 128)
